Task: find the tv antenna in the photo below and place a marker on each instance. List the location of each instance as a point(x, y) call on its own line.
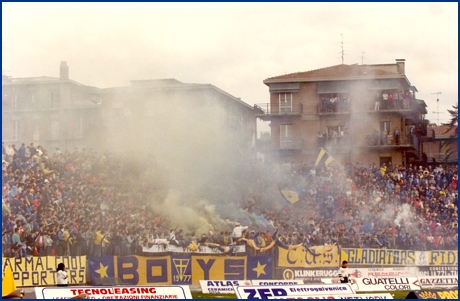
point(362, 58)
point(342, 48)
point(437, 102)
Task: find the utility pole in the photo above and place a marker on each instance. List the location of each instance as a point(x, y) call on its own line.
point(437, 102)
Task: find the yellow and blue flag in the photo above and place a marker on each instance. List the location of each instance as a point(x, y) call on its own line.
point(324, 158)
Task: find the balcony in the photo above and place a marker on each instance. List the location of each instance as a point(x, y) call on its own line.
point(335, 108)
point(389, 143)
point(290, 145)
point(267, 111)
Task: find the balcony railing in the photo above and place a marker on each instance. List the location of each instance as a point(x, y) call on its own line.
point(291, 144)
point(392, 141)
point(280, 110)
point(327, 108)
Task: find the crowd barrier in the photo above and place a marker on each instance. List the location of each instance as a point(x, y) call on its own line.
point(309, 265)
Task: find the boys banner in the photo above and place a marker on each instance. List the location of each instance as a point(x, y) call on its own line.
point(312, 257)
point(179, 269)
point(40, 271)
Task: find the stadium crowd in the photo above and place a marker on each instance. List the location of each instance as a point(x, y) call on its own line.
point(88, 203)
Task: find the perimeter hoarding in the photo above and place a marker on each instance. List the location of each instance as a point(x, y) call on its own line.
point(222, 286)
point(264, 292)
point(119, 292)
point(354, 296)
point(387, 284)
point(40, 271)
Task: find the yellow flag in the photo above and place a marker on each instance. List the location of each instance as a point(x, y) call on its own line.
point(8, 285)
point(290, 195)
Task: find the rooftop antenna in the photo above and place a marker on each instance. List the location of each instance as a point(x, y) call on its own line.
point(342, 48)
point(437, 102)
point(362, 58)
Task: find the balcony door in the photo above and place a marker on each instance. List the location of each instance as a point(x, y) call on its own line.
point(285, 102)
point(286, 136)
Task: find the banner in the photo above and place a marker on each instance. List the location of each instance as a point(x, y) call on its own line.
point(387, 284)
point(437, 294)
point(162, 248)
point(40, 271)
point(259, 267)
point(221, 286)
point(443, 258)
point(132, 270)
point(359, 256)
point(265, 292)
point(313, 257)
point(306, 275)
point(218, 267)
point(437, 271)
point(119, 292)
point(181, 269)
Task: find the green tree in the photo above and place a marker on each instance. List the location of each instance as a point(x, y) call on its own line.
point(452, 124)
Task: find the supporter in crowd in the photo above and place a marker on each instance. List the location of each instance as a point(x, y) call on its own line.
point(87, 203)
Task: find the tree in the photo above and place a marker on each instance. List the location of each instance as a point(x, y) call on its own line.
point(453, 120)
point(453, 138)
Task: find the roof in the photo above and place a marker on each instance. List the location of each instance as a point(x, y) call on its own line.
point(37, 80)
point(340, 72)
point(444, 131)
point(172, 84)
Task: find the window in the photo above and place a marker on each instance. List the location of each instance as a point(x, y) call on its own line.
point(285, 100)
point(286, 136)
point(53, 100)
point(54, 130)
point(79, 128)
point(14, 105)
point(15, 129)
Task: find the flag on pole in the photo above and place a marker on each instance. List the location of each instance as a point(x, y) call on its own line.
point(8, 285)
point(324, 158)
point(290, 195)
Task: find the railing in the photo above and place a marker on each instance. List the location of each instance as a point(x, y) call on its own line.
point(443, 157)
point(276, 109)
point(338, 107)
point(291, 144)
point(391, 140)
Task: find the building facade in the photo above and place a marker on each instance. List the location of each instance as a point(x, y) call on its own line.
point(177, 113)
point(444, 149)
point(358, 113)
point(52, 111)
point(59, 112)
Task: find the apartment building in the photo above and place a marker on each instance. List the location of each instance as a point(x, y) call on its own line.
point(444, 149)
point(60, 112)
point(358, 113)
point(52, 111)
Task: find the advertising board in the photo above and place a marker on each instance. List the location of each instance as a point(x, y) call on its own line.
point(221, 286)
point(119, 292)
point(263, 292)
point(387, 284)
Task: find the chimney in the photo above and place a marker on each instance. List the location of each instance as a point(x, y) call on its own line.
point(400, 65)
point(64, 74)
